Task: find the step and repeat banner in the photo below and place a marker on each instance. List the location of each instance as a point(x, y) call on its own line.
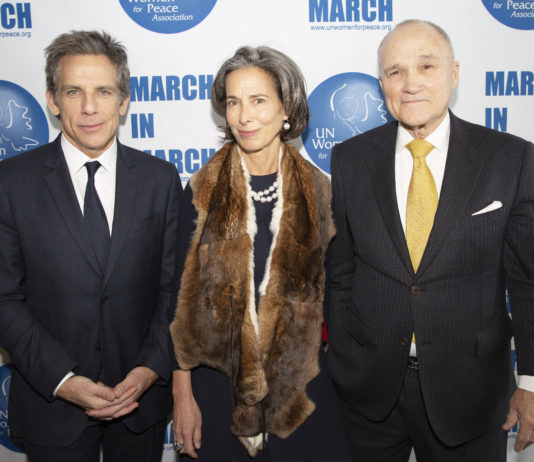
point(175, 48)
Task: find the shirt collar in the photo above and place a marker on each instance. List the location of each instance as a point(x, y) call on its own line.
point(439, 138)
point(76, 159)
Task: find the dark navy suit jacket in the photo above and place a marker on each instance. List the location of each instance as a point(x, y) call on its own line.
point(455, 303)
point(59, 313)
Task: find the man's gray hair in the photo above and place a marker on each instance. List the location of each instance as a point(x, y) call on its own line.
point(76, 43)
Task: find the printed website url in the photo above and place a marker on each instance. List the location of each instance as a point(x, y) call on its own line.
point(15, 34)
point(352, 27)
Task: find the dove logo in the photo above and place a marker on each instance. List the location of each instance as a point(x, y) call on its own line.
point(167, 16)
point(341, 107)
point(5, 380)
point(512, 13)
point(23, 125)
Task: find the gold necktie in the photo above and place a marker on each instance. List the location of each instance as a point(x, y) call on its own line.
point(422, 201)
point(421, 204)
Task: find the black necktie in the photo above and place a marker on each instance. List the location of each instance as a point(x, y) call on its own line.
point(95, 217)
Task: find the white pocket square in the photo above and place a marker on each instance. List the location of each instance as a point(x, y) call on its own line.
point(489, 208)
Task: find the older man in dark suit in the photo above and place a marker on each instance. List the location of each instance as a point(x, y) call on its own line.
point(435, 219)
point(87, 271)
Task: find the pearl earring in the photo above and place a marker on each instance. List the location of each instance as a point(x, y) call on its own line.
point(286, 125)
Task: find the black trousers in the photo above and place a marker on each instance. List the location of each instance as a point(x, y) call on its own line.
point(408, 427)
point(118, 444)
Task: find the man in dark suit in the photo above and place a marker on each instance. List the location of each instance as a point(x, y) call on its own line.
point(419, 330)
point(84, 315)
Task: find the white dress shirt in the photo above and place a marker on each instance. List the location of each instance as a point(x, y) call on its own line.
point(105, 179)
point(435, 160)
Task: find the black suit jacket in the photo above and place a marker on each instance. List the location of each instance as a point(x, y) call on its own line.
point(59, 313)
point(455, 303)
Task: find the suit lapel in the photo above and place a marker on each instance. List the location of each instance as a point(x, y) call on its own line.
point(381, 163)
point(125, 191)
point(59, 182)
point(462, 170)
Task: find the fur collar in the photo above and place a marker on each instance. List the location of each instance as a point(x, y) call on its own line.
point(270, 354)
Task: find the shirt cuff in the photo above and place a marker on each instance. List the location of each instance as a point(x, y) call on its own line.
point(526, 382)
point(68, 376)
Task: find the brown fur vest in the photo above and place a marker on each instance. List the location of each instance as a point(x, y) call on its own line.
point(270, 354)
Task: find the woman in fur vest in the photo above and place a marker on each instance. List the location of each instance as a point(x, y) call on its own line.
point(255, 226)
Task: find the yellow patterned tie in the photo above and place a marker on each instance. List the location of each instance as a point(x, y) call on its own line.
point(422, 201)
point(421, 204)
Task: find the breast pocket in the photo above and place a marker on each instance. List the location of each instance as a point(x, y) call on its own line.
point(145, 223)
point(489, 220)
point(478, 236)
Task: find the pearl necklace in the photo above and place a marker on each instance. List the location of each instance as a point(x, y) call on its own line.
point(267, 195)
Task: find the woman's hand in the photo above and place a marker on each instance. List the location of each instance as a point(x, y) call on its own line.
point(187, 419)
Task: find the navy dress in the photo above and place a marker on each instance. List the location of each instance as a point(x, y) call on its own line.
point(321, 437)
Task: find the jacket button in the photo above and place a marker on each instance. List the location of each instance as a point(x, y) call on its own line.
point(97, 347)
point(404, 341)
point(415, 290)
point(104, 299)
